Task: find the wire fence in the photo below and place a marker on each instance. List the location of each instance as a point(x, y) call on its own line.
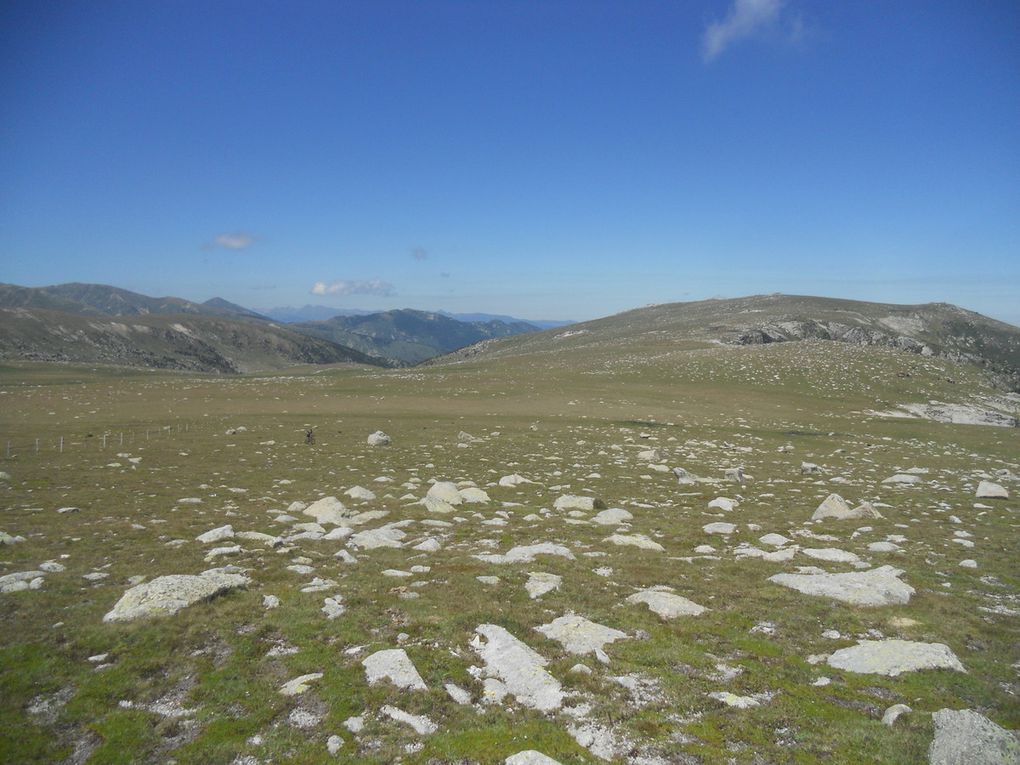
point(107, 439)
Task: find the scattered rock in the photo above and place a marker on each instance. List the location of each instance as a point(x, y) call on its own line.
point(577, 502)
point(894, 657)
point(530, 757)
point(580, 636)
point(300, 684)
point(666, 604)
point(892, 714)
point(422, 725)
point(965, 737)
point(527, 553)
point(379, 439)
point(518, 667)
point(989, 490)
point(877, 587)
point(539, 584)
point(835, 507)
point(635, 540)
point(166, 595)
point(216, 535)
point(612, 517)
point(394, 665)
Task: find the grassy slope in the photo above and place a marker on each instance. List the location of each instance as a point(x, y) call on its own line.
point(709, 408)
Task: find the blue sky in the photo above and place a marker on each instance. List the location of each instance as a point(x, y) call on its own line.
point(541, 159)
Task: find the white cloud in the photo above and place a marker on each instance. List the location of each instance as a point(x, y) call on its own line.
point(353, 287)
point(237, 240)
point(746, 18)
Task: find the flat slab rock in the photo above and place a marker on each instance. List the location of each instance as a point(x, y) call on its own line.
point(581, 636)
point(635, 540)
point(666, 604)
point(527, 553)
point(877, 587)
point(964, 736)
point(519, 668)
point(422, 725)
point(393, 664)
point(166, 595)
point(614, 516)
point(894, 657)
point(578, 502)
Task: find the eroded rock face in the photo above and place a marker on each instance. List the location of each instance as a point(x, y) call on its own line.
point(166, 595)
point(520, 669)
point(894, 657)
point(966, 737)
point(877, 587)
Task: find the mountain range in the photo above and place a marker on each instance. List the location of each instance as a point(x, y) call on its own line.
point(96, 323)
point(407, 336)
point(292, 315)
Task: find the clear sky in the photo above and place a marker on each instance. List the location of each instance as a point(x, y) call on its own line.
point(542, 159)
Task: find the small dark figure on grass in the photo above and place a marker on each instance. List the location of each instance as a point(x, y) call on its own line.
point(310, 437)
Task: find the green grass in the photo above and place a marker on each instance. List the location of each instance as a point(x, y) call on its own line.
point(560, 419)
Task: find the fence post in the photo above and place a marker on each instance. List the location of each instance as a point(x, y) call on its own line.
point(104, 440)
point(61, 444)
point(37, 446)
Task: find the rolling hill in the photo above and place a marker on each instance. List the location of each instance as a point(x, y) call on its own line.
point(929, 330)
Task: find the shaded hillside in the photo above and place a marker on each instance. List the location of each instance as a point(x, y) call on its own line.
point(406, 336)
point(191, 342)
point(104, 300)
point(931, 329)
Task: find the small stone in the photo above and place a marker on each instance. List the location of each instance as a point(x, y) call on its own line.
point(300, 684)
point(893, 713)
point(334, 744)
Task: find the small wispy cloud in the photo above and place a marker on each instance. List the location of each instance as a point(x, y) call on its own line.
point(234, 240)
point(746, 18)
point(353, 287)
point(419, 253)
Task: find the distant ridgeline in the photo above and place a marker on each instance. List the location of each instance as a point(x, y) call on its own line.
point(94, 323)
